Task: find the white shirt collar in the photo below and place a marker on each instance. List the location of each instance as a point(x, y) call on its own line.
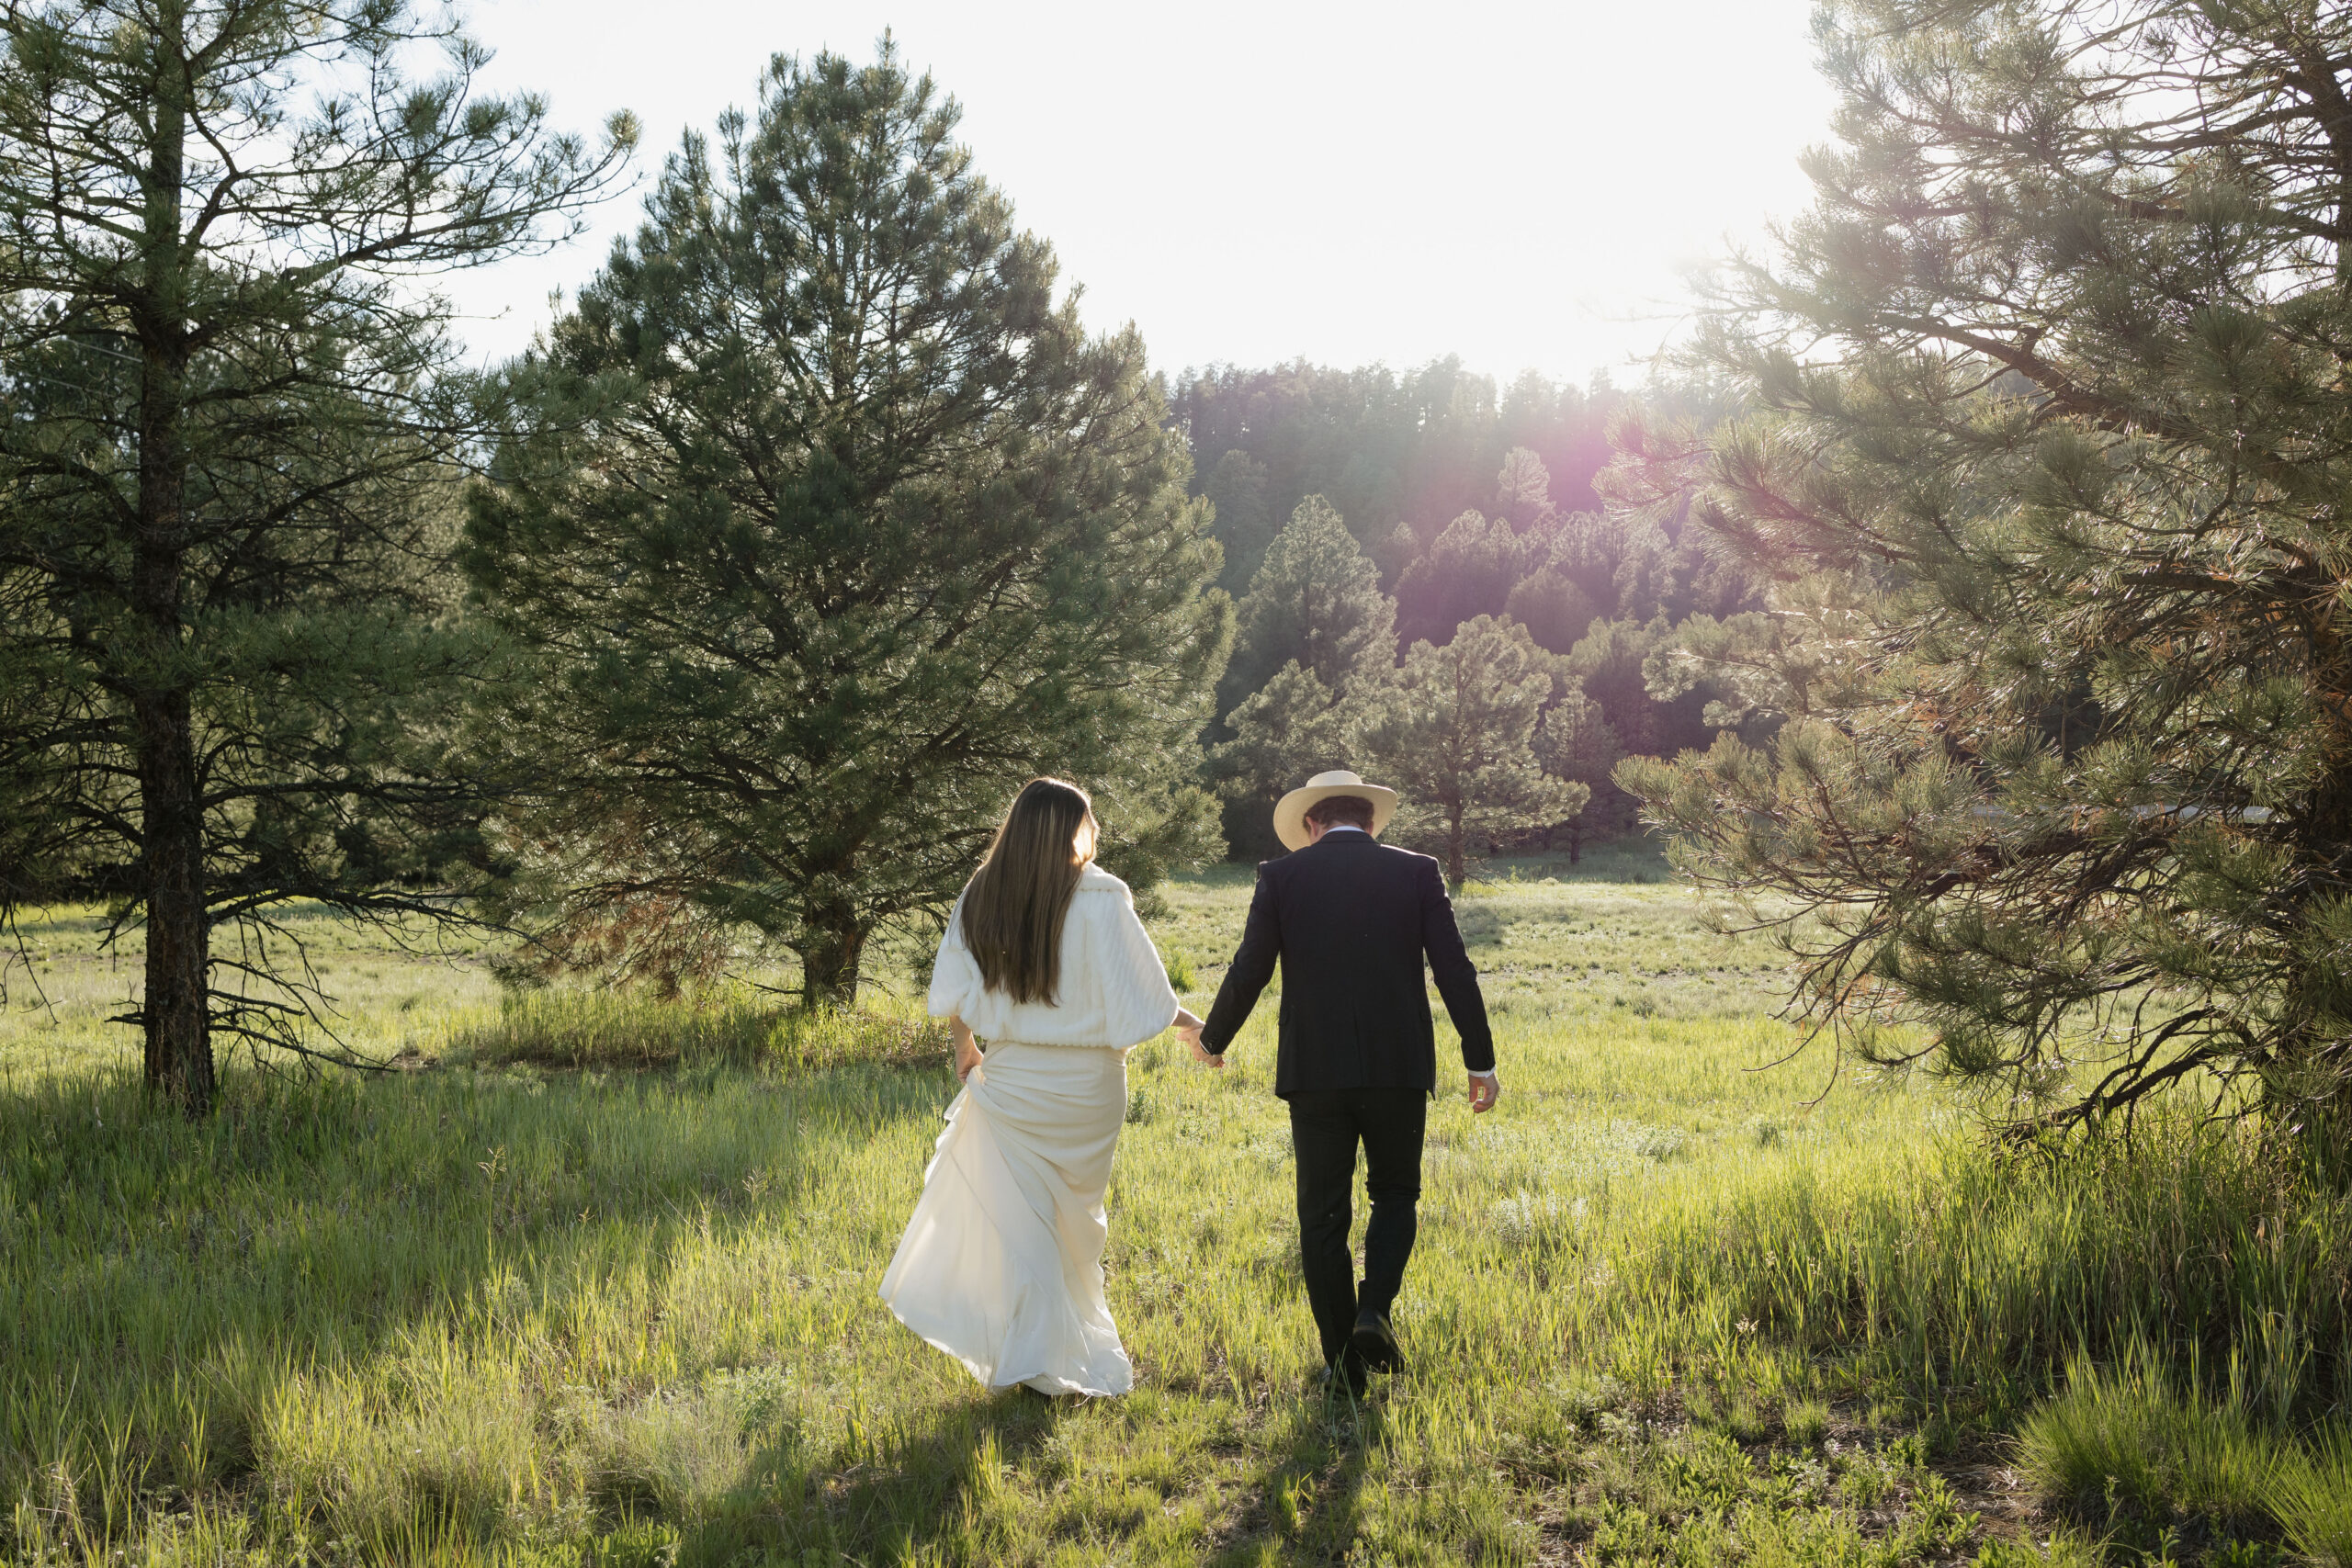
point(1341, 828)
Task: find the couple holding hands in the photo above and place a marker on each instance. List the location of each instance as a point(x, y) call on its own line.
point(1045, 959)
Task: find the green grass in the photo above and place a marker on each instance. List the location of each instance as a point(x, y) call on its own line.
point(2122, 1444)
point(2310, 1496)
point(591, 1279)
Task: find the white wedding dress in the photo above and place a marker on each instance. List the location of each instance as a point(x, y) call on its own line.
point(1002, 1264)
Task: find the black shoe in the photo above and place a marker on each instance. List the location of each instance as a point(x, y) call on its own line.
point(1346, 1375)
point(1375, 1343)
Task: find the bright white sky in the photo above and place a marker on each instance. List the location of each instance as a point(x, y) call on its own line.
point(1519, 183)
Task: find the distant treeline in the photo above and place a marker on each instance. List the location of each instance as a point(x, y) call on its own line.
point(1470, 499)
point(1414, 450)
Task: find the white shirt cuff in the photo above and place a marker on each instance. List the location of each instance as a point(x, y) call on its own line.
point(1488, 1074)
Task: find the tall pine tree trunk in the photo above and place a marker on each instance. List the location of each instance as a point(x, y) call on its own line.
point(178, 1033)
point(1456, 847)
point(829, 960)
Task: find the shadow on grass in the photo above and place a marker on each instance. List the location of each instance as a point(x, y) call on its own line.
point(1480, 926)
point(955, 1484)
point(174, 1286)
point(918, 1491)
point(1306, 1502)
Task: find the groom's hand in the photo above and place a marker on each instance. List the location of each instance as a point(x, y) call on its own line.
point(1200, 1054)
point(1484, 1090)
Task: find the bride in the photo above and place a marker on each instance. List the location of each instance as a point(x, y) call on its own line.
point(1001, 1265)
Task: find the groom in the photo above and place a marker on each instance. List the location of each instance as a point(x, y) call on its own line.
point(1351, 918)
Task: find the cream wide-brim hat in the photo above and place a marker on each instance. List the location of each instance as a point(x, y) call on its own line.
point(1290, 811)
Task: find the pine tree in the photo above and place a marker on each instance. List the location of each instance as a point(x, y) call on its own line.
point(1236, 488)
point(1612, 664)
point(2048, 455)
point(1554, 610)
point(1454, 734)
point(1315, 607)
point(1283, 734)
point(1315, 600)
point(1395, 554)
point(832, 527)
point(233, 664)
point(1523, 490)
point(1574, 741)
point(1587, 548)
point(1469, 571)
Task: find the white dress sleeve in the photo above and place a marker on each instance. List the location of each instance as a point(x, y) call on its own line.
point(1137, 1000)
point(956, 984)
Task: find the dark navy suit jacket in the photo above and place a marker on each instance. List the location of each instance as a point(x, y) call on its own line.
point(1349, 919)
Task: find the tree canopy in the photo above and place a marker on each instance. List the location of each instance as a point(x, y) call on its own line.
point(1455, 738)
point(2048, 458)
point(1317, 640)
point(231, 675)
point(1316, 599)
point(832, 527)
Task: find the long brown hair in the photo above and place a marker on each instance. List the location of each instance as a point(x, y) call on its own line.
point(1014, 904)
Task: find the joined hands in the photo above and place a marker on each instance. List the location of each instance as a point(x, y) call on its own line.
point(1188, 1030)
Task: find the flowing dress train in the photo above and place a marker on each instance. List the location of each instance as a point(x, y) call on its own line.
point(1001, 1265)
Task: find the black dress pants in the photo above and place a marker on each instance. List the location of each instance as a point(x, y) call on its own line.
point(1325, 1127)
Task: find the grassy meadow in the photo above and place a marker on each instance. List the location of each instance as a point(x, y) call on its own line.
point(591, 1281)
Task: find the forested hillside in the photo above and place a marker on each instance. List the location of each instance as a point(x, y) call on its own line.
point(1455, 499)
